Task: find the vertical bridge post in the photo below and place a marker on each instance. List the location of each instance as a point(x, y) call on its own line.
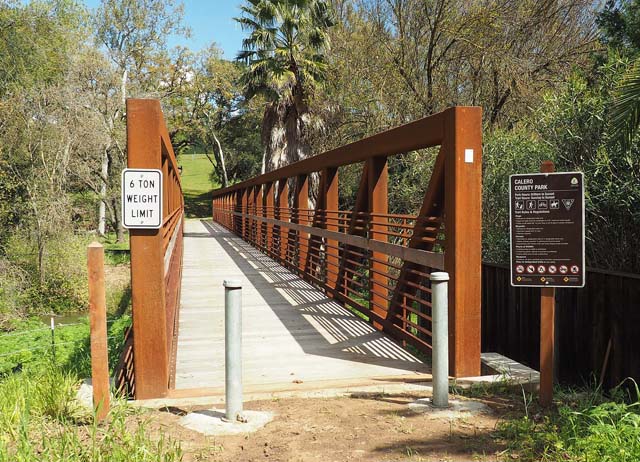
point(378, 192)
point(151, 357)
point(463, 230)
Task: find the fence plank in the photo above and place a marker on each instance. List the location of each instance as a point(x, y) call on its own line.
point(608, 307)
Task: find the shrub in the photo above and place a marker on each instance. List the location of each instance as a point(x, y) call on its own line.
point(59, 283)
point(505, 153)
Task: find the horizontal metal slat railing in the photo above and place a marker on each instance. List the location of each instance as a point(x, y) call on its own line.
point(370, 260)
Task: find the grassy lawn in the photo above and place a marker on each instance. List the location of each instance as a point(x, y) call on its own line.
point(197, 184)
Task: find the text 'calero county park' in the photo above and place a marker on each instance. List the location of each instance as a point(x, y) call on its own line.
point(142, 198)
point(547, 229)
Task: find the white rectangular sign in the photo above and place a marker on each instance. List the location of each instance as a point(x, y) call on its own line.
point(141, 198)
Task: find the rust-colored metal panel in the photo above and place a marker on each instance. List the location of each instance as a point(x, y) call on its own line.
point(258, 205)
point(247, 222)
point(463, 245)
point(301, 208)
point(284, 214)
point(331, 207)
point(251, 211)
point(147, 261)
point(269, 213)
point(378, 188)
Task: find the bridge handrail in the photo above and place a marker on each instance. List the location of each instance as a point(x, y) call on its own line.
point(373, 261)
point(156, 255)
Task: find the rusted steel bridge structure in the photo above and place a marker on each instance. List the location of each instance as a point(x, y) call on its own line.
point(286, 234)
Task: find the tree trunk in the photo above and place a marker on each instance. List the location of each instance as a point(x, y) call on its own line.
point(102, 213)
point(41, 258)
point(115, 204)
point(223, 167)
point(123, 88)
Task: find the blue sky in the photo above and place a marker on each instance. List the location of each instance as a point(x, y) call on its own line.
point(210, 21)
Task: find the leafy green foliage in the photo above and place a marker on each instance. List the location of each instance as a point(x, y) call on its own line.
point(30, 345)
point(40, 420)
point(574, 124)
point(284, 55)
point(586, 427)
point(505, 153)
point(55, 281)
point(284, 48)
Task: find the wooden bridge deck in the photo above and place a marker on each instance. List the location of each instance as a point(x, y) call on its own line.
point(292, 333)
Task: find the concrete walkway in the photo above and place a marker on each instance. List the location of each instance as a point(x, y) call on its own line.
point(293, 335)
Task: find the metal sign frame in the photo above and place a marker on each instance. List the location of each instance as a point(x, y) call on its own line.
point(160, 202)
point(511, 265)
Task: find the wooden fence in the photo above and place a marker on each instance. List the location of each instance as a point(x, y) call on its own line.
point(604, 315)
point(375, 262)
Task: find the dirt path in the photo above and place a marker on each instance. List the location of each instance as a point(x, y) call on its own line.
point(364, 427)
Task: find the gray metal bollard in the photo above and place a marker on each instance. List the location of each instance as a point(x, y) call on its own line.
point(233, 348)
point(440, 324)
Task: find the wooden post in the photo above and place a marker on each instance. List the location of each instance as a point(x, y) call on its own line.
point(301, 206)
point(98, 326)
point(330, 176)
point(462, 147)
point(284, 214)
point(151, 358)
point(378, 181)
point(547, 329)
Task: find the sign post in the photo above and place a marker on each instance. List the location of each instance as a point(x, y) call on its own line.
point(141, 198)
point(547, 247)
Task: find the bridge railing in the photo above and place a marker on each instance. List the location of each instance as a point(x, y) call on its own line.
point(370, 260)
point(156, 258)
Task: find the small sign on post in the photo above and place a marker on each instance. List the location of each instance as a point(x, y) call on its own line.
point(141, 198)
point(546, 215)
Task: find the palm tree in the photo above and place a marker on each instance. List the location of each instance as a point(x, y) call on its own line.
point(284, 54)
point(625, 110)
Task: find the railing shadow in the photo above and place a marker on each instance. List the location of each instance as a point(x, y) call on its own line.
point(337, 332)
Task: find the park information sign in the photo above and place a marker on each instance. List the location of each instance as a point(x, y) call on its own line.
point(141, 198)
point(547, 229)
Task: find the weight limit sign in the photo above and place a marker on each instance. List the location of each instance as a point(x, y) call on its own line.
point(547, 229)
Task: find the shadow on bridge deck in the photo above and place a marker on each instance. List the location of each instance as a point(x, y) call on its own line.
point(292, 333)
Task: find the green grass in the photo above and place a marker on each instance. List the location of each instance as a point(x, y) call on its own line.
point(197, 184)
point(586, 427)
point(110, 242)
point(115, 253)
point(41, 420)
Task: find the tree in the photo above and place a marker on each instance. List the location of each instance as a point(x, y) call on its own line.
point(394, 61)
point(620, 30)
point(134, 33)
point(625, 110)
point(284, 54)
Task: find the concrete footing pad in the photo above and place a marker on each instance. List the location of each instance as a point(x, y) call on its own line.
point(458, 409)
point(212, 422)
